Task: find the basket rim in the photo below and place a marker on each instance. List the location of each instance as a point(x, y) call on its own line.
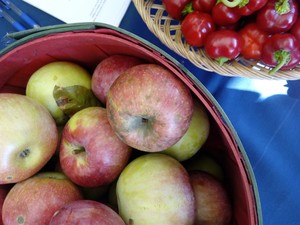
point(167, 30)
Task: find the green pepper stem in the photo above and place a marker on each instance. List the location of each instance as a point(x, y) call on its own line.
point(231, 4)
point(222, 60)
point(282, 57)
point(188, 9)
point(282, 7)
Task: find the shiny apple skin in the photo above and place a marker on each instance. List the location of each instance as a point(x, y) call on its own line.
point(149, 107)
point(28, 137)
point(36, 199)
point(155, 189)
point(102, 156)
point(213, 206)
point(108, 70)
point(86, 212)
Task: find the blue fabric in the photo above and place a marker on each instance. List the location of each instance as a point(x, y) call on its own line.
point(265, 114)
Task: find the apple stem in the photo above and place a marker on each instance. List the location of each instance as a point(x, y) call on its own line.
point(78, 151)
point(24, 153)
point(144, 120)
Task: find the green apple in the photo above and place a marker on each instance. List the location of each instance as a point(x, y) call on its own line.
point(59, 74)
point(155, 189)
point(28, 137)
point(194, 138)
point(205, 162)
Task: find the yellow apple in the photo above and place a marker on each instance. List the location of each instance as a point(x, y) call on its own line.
point(155, 189)
point(194, 138)
point(56, 74)
point(28, 137)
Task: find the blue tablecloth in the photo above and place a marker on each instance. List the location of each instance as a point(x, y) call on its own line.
point(265, 114)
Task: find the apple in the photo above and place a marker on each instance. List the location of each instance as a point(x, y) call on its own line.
point(194, 138)
point(36, 199)
point(85, 212)
point(207, 163)
point(213, 206)
point(107, 72)
point(91, 154)
point(3, 192)
point(155, 189)
point(28, 137)
point(59, 74)
point(149, 107)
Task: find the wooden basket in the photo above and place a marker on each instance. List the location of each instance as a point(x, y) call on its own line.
point(89, 43)
point(167, 30)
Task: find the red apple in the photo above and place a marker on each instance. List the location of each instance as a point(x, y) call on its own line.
point(3, 192)
point(28, 137)
point(107, 72)
point(91, 154)
point(36, 199)
point(149, 107)
point(86, 212)
point(213, 206)
point(155, 189)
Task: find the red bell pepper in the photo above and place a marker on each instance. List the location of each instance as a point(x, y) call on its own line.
point(175, 8)
point(296, 29)
point(223, 45)
point(203, 5)
point(248, 7)
point(277, 16)
point(254, 38)
point(196, 26)
point(281, 51)
point(224, 15)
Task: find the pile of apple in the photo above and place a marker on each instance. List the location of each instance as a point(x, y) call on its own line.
point(108, 148)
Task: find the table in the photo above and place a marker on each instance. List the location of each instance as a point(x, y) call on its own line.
point(265, 114)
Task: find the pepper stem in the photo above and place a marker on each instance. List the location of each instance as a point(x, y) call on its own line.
point(231, 4)
point(282, 7)
point(282, 57)
point(188, 9)
point(222, 60)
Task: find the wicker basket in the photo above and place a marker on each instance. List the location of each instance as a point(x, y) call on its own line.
point(167, 30)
